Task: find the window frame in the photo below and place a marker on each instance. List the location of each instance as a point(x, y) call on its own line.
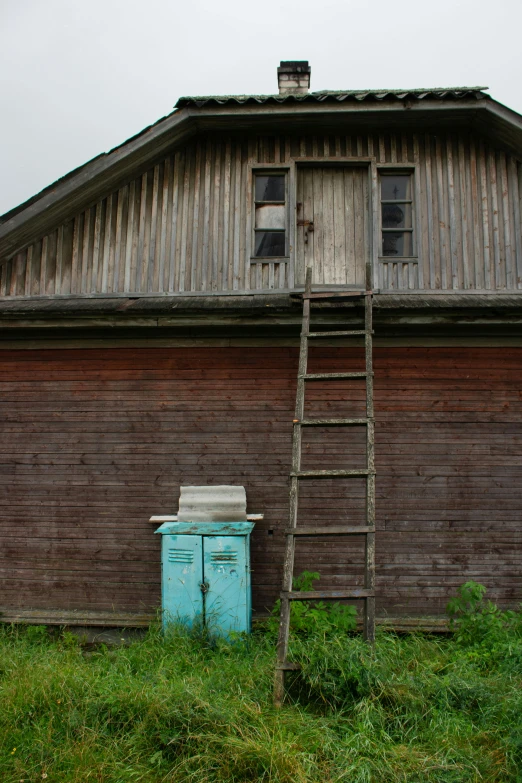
point(387, 171)
point(270, 170)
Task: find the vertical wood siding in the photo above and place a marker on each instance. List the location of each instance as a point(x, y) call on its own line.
point(95, 441)
point(184, 225)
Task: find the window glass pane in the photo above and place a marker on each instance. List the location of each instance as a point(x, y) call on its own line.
point(270, 187)
point(270, 216)
point(397, 244)
point(396, 216)
point(270, 243)
point(396, 186)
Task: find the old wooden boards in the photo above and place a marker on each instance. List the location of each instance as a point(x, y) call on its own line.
point(184, 224)
point(342, 471)
point(333, 224)
point(95, 440)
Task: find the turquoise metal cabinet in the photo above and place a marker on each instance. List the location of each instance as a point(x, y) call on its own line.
point(205, 574)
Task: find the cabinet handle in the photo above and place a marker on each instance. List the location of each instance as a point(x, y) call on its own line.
point(204, 586)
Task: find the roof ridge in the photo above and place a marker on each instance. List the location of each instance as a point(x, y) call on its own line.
point(401, 90)
point(316, 93)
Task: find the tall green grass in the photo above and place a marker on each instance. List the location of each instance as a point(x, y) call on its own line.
point(188, 708)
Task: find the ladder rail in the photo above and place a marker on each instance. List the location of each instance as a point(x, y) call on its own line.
point(288, 567)
point(366, 593)
point(369, 553)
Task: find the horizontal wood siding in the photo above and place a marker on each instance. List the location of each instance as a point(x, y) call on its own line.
point(184, 225)
point(96, 441)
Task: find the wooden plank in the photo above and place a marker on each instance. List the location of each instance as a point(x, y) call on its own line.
point(142, 244)
point(66, 253)
point(185, 222)
point(225, 257)
point(131, 240)
point(28, 270)
point(516, 206)
point(393, 148)
point(327, 595)
point(477, 265)
point(434, 282)
point(43, 264)
point(181, 163)
point(382, 151)
point(35, 269)
point(119, 243)
point(327, 225)
point(168, 269)
point(303, 256)
point(107, 228)
point(314, 250)
point(193, 236)
point(236, 217)
point(466, 208)
point(20, 271)
point(329, 530)
point(176, 197)
point(350, 223)
point(506, 221)
point(174, 518)
point(455, 249)
point(146, 230)
point(416, 272)
point(498, 273)
point(442, 220)
point(96, 247)
point(486, 232)
point(206, 220)
point(360, 207)
point(339, 216)
point(75, 260)
point(403, 148)
point(84, 285)
point(153, 267)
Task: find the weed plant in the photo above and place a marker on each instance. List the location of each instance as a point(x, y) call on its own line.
point(187, 707)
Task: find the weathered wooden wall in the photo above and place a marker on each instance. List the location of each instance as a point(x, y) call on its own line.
point(183, 225)
point(95, 441)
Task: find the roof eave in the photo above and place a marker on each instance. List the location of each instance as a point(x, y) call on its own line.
point(103, 174)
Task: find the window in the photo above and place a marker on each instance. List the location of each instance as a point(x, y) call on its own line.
point(270, 215)
point(397, 214)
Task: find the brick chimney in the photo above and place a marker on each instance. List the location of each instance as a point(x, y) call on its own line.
point(293, 77)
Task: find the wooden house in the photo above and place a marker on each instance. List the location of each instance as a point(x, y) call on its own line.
point(149, 331)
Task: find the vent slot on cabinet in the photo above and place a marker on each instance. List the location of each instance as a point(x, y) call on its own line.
point(181, 556)
point(223, 557)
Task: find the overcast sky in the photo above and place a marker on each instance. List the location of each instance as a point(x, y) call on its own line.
point(78, 78)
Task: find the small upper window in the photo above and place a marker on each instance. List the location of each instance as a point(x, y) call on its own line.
point(397, 214)
point(270, 215)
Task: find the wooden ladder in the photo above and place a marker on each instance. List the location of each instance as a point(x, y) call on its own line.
point(296, 475)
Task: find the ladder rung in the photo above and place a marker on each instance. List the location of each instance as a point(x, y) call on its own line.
point(320, 595)
point(330, 473)
point(331, 422)
point(333, 376)
point(332, 530)
point(351, 333)
point(287, 666)
point(337, 295)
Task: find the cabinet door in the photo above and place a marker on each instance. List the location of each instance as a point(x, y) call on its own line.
point(182, 574)
point(225, 568)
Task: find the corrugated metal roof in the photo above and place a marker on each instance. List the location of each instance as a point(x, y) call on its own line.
point(322, 96)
